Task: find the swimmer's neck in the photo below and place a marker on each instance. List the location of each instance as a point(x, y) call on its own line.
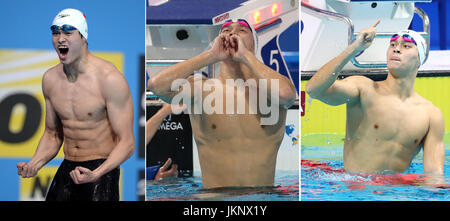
point(234, 70)
point(401, 86)
point(77, 67)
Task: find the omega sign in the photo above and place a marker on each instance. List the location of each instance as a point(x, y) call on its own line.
point(167, 124)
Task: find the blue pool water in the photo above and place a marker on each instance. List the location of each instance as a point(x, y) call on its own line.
point(330, 183)
point(286, 188)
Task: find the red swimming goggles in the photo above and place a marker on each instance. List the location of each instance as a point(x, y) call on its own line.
point(239, 21)
point(405, 37)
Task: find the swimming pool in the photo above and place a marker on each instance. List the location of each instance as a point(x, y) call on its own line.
point(324, 179)
point(286, 188)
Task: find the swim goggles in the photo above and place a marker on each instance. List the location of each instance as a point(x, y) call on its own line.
point(239, 21)
point(64, 28)
point(405, 37)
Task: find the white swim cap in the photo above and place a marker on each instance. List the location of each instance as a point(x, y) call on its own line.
point(421, 43)
point(72, 17)
point(255, 38)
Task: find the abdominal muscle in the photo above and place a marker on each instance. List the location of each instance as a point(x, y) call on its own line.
point(87, 140)
point(237, 163)
point(236, 153)
point(377, 157)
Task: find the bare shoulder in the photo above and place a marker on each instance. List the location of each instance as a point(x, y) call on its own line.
point(196, 78)
point(108, 73)
point(361, 82)
point(51, 73)
point(50, 78)
point(436, 119)
point(112, 81)
point(359, 79)
point(105, 67)
point(433, 111)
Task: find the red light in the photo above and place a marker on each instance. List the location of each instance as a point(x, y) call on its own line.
point(274, 9)
point(257, 16)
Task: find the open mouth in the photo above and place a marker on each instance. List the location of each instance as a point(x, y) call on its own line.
point(63, 50)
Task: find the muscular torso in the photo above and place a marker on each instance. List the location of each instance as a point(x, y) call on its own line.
point(235, 150)
point(81, 109)
point(384, 132)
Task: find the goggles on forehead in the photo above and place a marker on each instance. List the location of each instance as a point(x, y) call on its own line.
point(239, 21)
point(405, 37)
point(64, 28)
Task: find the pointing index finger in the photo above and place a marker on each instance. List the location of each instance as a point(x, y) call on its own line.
point(376, 23)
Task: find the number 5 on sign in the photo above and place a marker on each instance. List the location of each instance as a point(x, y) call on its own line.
point(271, 57)
point(274, 60)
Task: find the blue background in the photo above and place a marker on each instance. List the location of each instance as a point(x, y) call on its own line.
point(438, 12)
point(114, 26)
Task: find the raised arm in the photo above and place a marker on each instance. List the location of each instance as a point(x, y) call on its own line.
point(50, 142)
point(161, 83)
point(287, 91)
point(433, 148)
point(323, 85)
point(153, 123)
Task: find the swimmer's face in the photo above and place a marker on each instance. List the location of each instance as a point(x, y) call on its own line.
point(243, 32)
point(68, 44)
point(402, 56)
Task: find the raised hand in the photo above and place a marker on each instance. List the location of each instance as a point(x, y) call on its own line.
point(220, 49)
point(237, 50)
point(366, 36)
point(164, 172)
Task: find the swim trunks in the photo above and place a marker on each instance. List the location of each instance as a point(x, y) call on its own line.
point(106, 188)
